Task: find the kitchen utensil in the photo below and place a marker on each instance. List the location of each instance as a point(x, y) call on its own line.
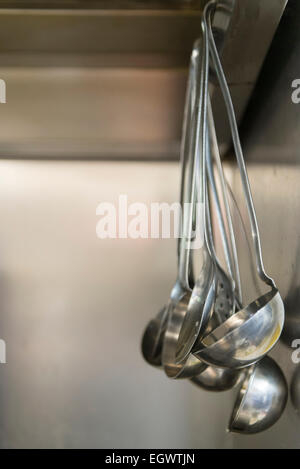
point(261, 398)
point(154, 332)
point(189, 316)
point(250, 333)
point(212, 378)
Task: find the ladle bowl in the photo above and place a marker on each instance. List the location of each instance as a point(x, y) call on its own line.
point(152, 339)
point(246, 336)
point(152, 343)
point(191, 365)
point(261, 398)
point(217, 379)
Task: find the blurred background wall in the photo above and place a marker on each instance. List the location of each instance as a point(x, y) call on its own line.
point(73, 307)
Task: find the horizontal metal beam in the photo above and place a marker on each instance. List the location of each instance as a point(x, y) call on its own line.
point(111, 82)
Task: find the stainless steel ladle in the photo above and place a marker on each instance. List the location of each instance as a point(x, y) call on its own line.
point(155, 331)
point(295, 390)
point(189, 316)
point(181, 317)
point(261, 398)
point(153, 335)
point(211, 378)
point(250, 333)
point(188, 321)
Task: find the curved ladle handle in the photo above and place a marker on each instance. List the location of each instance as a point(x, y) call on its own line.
point(196, 154)
point(225, 243)
point(238, 149)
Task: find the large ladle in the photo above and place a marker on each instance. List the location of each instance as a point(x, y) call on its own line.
point(250, 333)
point(212, 378)
point(184, 321)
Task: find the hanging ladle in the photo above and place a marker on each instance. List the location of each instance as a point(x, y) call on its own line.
point(225, 291)
point(155, 332)
point(153, 335)
point(190, 315)
point(186, 318)
point(251, 332)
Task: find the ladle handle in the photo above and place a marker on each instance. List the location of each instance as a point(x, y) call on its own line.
point(196, 155)
point(238, 150)
point(229, 247)
point(184, 154)
point(226, 248)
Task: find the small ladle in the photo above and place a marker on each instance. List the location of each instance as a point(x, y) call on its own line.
point(190, 315)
